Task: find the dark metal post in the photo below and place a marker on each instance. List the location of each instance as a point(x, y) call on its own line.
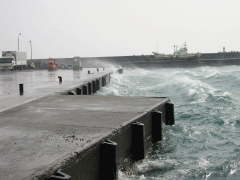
point(60, 79)
point(21, 89)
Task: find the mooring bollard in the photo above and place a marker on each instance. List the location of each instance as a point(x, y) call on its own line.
point(169, 114)
point(21, 89)
point(59, 175)
point(156, 126)
point(108, 161)
point(60, 79)
point(138, 141)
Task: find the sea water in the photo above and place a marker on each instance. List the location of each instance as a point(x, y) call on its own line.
point(204, 143)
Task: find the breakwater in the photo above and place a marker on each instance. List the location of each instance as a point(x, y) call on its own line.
point(57, 125)
point(146, 61)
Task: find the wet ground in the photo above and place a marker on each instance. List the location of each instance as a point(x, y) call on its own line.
point(41, 128)
point(39, 83)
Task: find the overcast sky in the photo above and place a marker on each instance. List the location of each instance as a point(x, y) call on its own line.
point(95, 28)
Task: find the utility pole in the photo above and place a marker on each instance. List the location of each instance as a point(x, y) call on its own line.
point(31, 48)
point(18, 40)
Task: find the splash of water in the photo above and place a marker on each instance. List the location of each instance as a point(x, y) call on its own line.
point(203, 144)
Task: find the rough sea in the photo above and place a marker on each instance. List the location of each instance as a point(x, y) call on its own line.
point(204, 143)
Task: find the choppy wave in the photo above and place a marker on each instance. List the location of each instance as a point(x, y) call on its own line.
point(204, 142)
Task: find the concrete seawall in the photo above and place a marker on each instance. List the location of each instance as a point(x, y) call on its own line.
point(206, 59)
point(69, 130)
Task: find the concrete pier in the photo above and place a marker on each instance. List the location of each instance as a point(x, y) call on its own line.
point(39, 83)
point(46, 133)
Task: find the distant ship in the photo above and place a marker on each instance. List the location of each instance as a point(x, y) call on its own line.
point(178, 54)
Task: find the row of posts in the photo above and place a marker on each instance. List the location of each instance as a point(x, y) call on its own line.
point(108, 149)
point(87, 89)
point(120, 71)
point(90, 87)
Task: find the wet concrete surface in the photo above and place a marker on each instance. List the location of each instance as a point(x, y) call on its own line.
point(39, 83)
point(42, 132)
point(39, 130)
